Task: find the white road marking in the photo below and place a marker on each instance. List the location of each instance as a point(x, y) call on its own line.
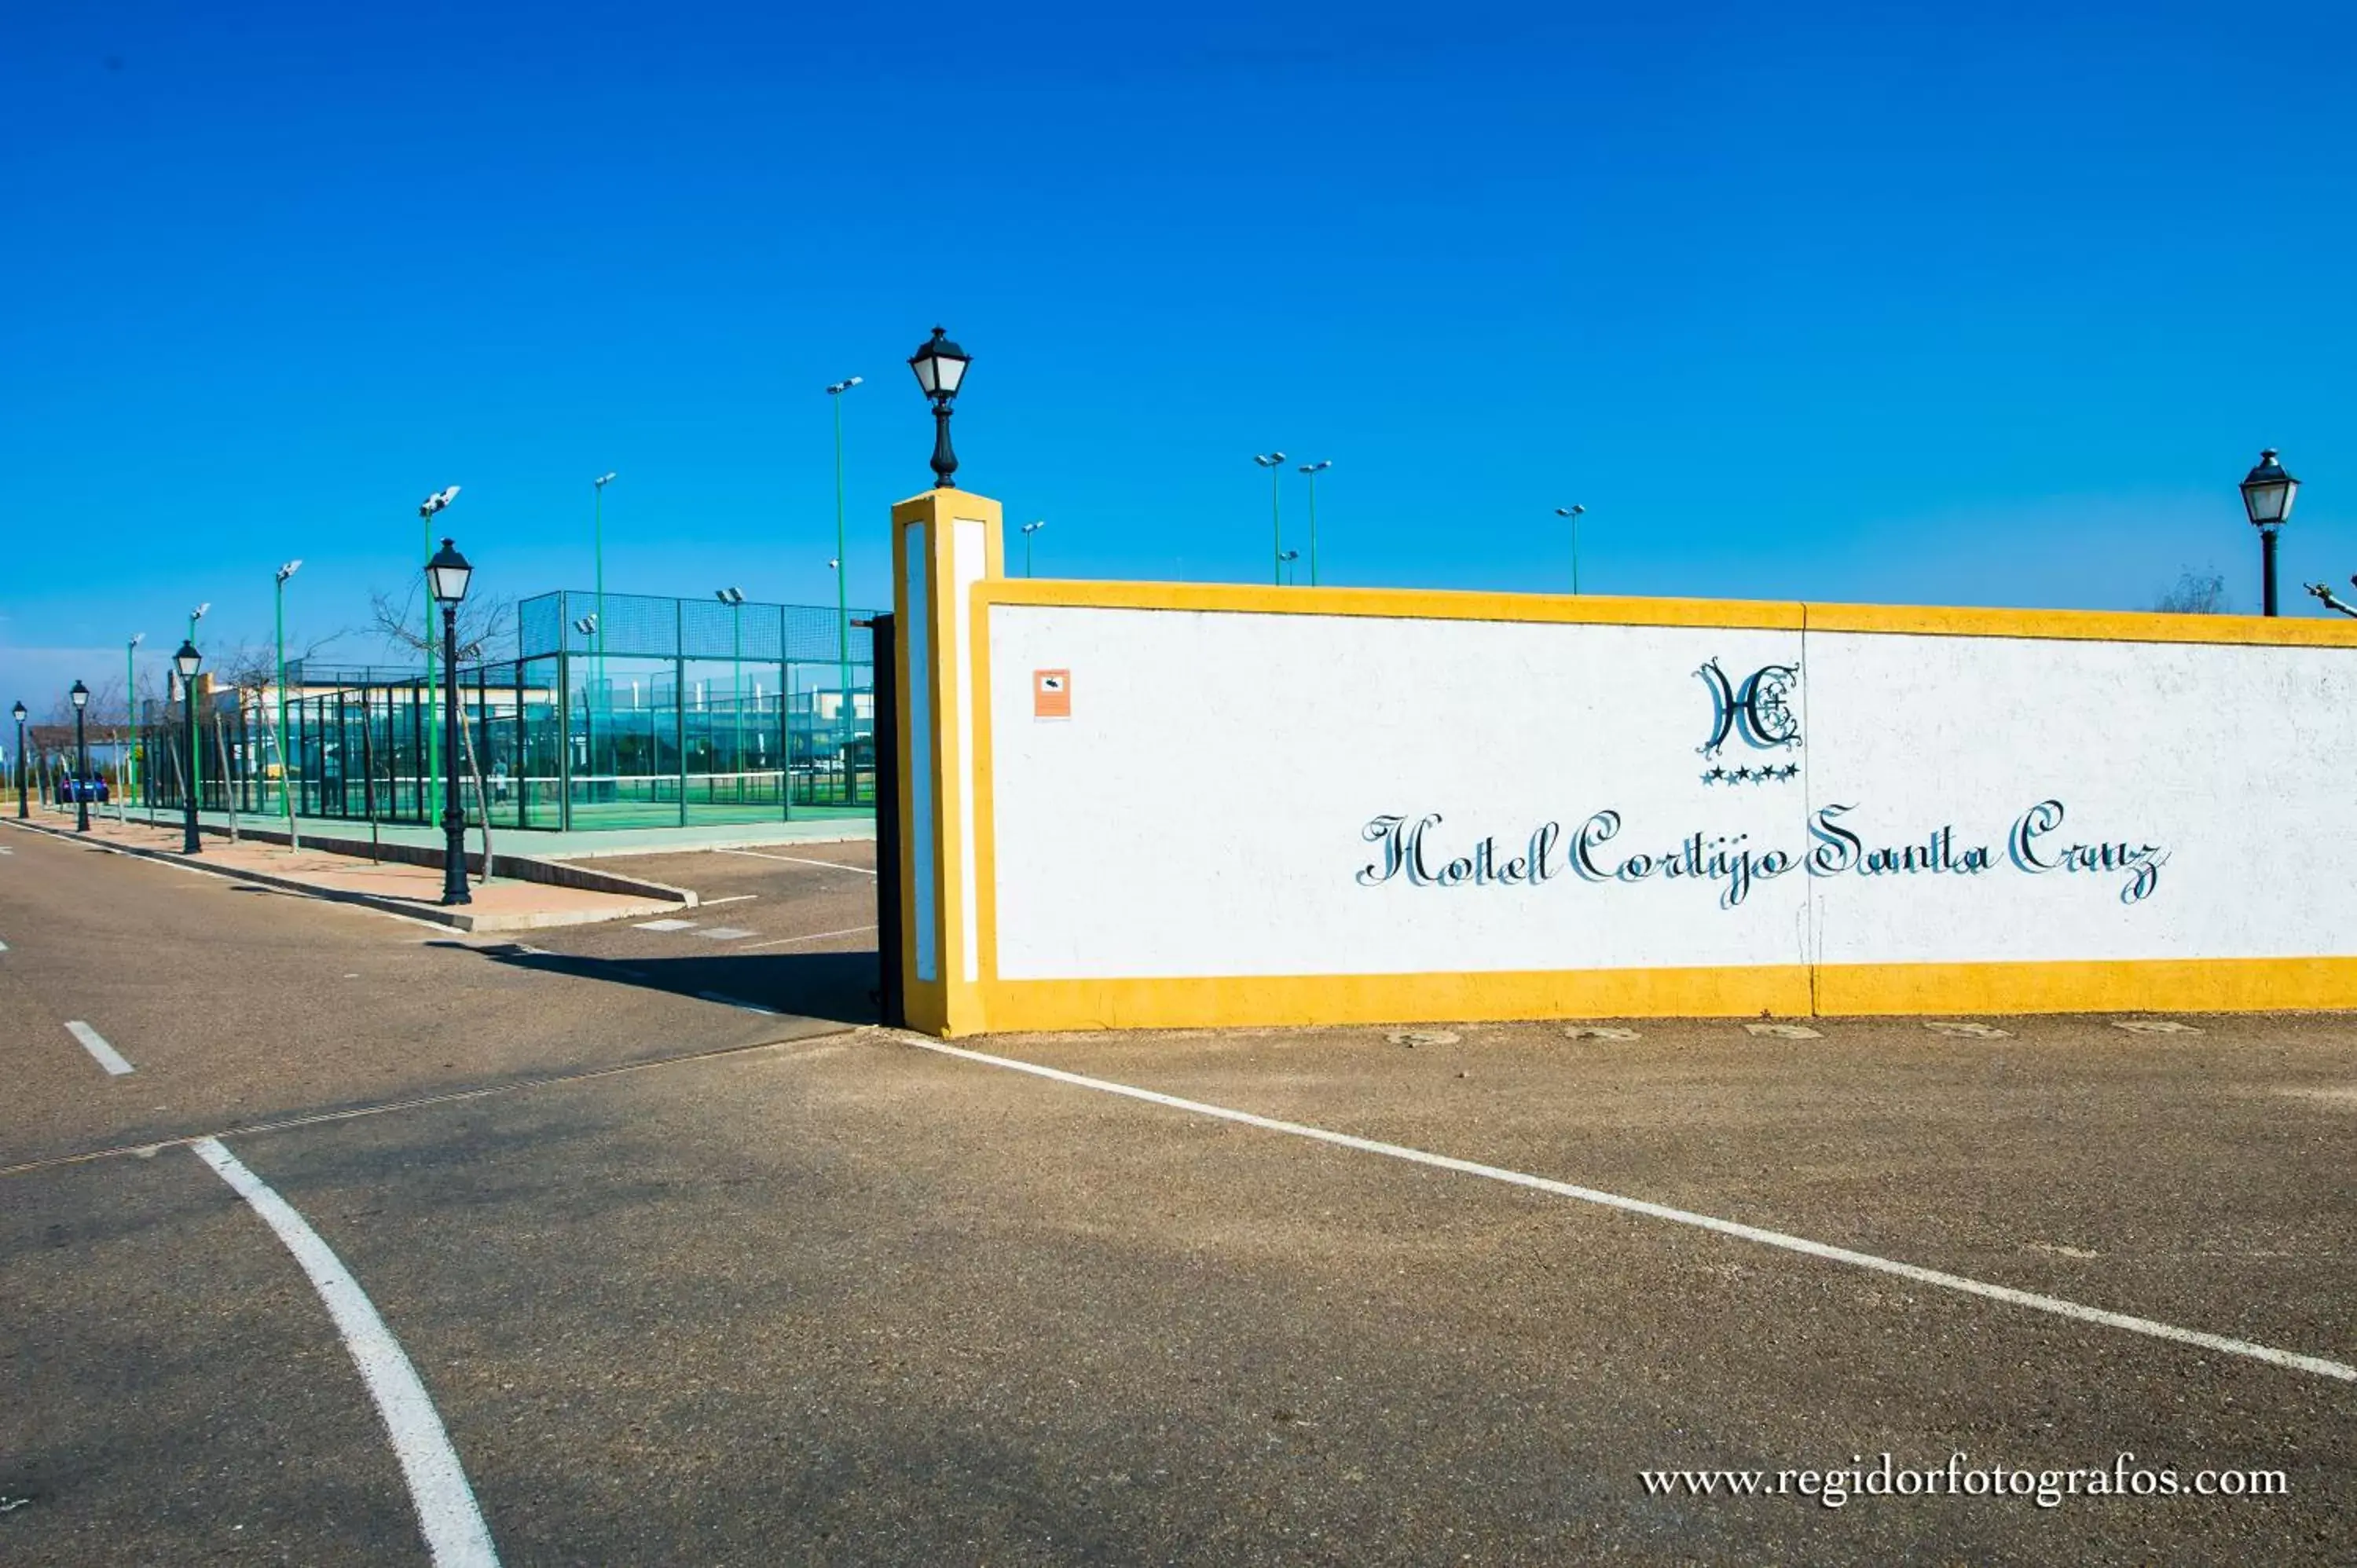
point(723, 933)
point(664, 925)
point(799, 860)
point(814, 936)
point(446, 1511)
point(733, 1002)
point(93, 1042)
point(3, 947)
point(732, 898)
point(2007, 1294)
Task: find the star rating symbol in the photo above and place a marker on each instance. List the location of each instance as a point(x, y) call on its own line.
point(1742, 773)
point(1714, 775)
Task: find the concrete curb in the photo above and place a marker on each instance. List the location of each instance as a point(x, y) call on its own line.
point(522, 867)
point(458, 919)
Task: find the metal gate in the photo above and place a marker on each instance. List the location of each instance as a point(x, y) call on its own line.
point(886, 721)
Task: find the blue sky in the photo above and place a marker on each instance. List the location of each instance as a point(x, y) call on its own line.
point(1987, 303)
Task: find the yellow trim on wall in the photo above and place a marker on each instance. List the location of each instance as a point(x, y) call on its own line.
point(2192, 985)
point(2090, 985)
point(1922, 620)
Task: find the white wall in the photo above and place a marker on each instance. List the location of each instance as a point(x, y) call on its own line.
point(1202, 810)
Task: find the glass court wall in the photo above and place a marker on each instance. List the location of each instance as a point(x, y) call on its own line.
point(681, 712)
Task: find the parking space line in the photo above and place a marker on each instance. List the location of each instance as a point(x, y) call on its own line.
point(447, 1513)
point(799, 860)
point(93, 1042)
point(2151, 1327)
point(732, 898)
point(814, 936)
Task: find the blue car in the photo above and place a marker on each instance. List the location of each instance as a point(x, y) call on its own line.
point(93, 789)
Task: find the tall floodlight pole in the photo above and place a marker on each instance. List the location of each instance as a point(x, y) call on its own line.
point(188, 662)
point(1310, 471)
point(1274, 463)
point(446, 575)
point(131, 716)
point(1572, 515)
point(598, 547)
point(1028, 530)
point(427, 510)
point(286, 773)
point(842, 579)
point(734, 599)
point(194, 615)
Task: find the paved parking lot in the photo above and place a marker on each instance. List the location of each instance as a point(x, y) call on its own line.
point(689, 1283)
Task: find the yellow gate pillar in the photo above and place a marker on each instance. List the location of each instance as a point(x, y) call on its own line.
point(943, 542)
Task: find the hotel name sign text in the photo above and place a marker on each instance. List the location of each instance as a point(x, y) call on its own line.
point(1758, 711)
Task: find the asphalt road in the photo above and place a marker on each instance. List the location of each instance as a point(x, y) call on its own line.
point(691, 1283)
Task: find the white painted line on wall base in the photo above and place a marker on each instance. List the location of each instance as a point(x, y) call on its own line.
point(814, 936)
point(93, 1042)
point(740, 1005)
point(446, 1511)
point(2150, 1327)
point(794, 860)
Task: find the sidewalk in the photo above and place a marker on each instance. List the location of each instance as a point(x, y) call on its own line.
point(578, 845)
point(504, 904)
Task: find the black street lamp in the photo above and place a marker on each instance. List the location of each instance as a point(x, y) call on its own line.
point(446, 576)
point(21, 812)
point(941, 367)
point(2267, 495)
point(81, 695)
point(188, 662)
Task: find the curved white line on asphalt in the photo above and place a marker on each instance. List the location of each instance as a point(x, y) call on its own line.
point(2007, 1294)
point(446, 1511)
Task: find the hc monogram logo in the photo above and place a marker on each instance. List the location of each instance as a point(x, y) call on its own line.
point(1760, 710)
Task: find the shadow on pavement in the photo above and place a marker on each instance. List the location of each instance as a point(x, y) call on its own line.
point(839, 987)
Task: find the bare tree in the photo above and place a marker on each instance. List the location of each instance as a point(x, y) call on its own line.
point(2196, 593)
point(2332, 601)
point(486, 627)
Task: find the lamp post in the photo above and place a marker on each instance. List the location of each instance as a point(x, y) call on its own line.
point(1312, 471)
point(734, 599)
point(188, 662)
point(446, 576)
point(195, 756)
point(81, 695)
point(2267, 495)
point(940, 365)
point(285, 774)
point(427, 510)
point(21, 812)
point(1287, 561)
point(1572, 515)
point(1274, 463)
point(1028, 530)
point(131, 716)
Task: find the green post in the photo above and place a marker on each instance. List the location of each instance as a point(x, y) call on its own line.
point(1276, 517)
point(130, 721)
point(843, 719)
point(433, 707)
point(737, 687)
point(286, 773)
point(1313, 527)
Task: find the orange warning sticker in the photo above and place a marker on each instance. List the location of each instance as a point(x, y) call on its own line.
point(1051, 693)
